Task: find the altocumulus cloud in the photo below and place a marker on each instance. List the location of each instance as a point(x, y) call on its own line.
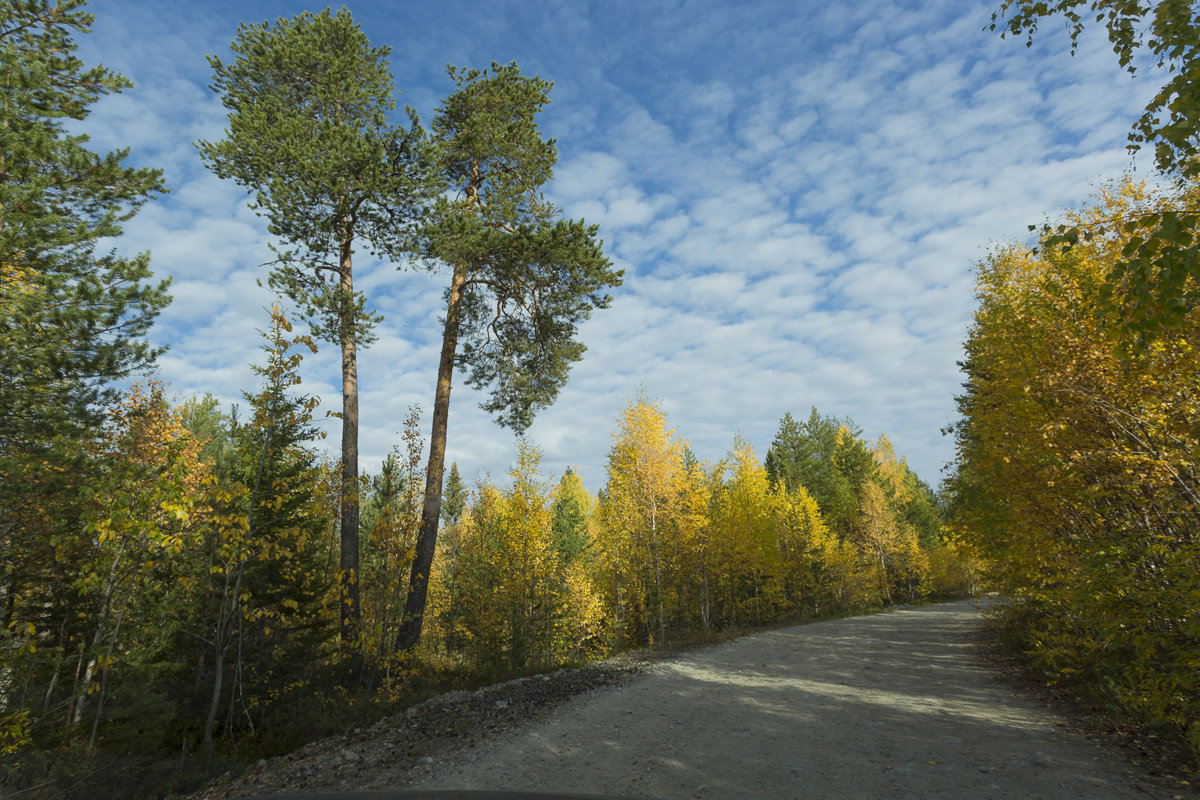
point(797, 192)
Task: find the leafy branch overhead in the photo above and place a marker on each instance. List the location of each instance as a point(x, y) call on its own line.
point(1152, 278)
point(1157, 277)
point(1168, 31)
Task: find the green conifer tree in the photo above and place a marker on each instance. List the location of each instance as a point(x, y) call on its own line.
point(310, 136)
point(521, 278)
point(266, 574)
point(829, 464)
point(454, 499)
point(73, 319)
point(570, 521)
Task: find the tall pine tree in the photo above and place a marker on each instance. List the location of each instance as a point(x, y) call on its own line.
point(521, 278)
point(310, 136)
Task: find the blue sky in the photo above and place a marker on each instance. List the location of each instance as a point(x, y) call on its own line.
point(797, 191)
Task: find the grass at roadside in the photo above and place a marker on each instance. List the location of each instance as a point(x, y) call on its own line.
point(1160, 752)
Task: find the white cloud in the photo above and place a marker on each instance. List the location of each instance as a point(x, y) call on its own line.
point(797, 195)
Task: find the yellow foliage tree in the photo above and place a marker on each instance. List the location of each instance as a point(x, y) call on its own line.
point(1077, 475)
point(888, 545)
point(501, 591)
point(818, 570)
point(746, 558)
point(643, 545)
point(137, 514)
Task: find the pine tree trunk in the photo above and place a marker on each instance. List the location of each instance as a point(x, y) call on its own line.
point(418, 584)
point(351, 615)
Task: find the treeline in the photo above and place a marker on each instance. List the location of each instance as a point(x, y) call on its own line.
point(672, 545)
point(182, 558)
point(1077, 451)
point(533, 574)
point(180, 593)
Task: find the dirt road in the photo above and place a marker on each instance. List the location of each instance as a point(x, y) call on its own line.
point(895, 705)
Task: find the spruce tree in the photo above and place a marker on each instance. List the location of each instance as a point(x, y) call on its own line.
point(570, 521)
point(73, 316)
point(266, 571)
point(454, 499)
point(827, 458)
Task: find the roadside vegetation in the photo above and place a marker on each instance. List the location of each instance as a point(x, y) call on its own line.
point(1076, 478)
point(205, 636)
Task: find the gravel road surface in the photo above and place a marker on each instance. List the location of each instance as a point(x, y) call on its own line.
point(894, 705)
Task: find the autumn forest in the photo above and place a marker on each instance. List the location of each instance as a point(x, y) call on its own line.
point(188, 586)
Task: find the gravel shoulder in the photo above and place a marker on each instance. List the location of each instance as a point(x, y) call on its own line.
point(894, 705)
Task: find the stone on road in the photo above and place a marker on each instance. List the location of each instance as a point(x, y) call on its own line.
point(893, 705)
